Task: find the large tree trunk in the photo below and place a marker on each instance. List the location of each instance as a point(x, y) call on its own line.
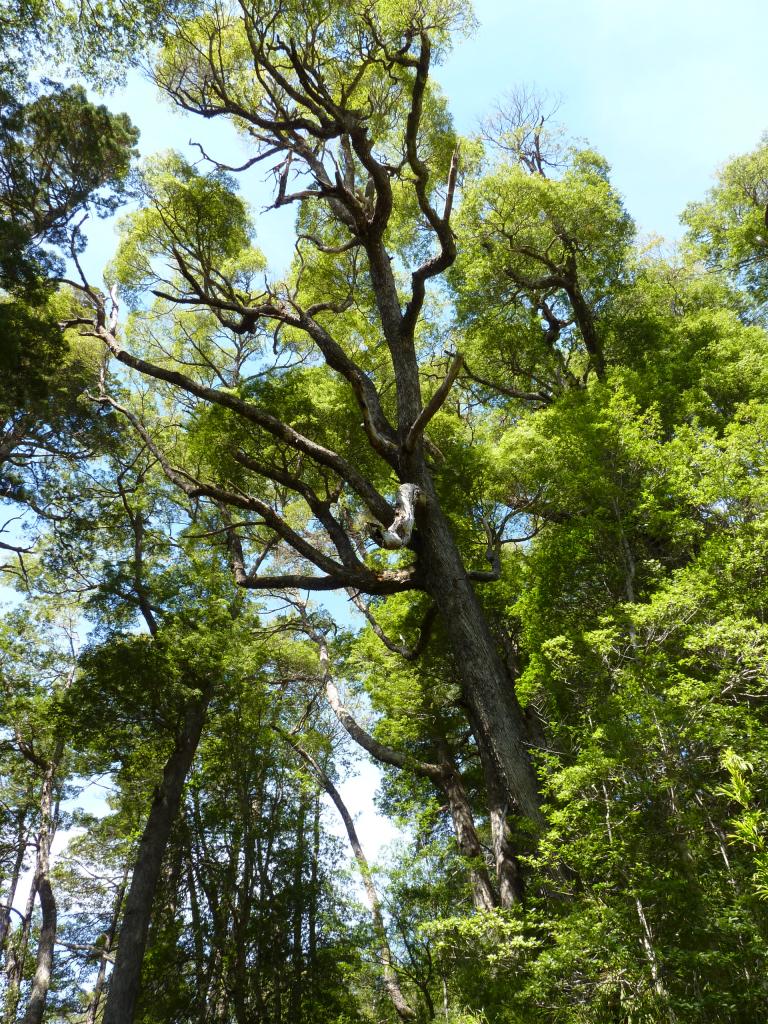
point(124, 983)
point(482, 675)
point(197, 926)
point(485, 683)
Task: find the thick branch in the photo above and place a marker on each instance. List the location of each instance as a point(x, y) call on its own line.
point(254, 414)
point(439, 224)
point(381, 584)
point(319, 508)
point(195, 488)
point(379, 751)
point(377, 427)
point(438, 263)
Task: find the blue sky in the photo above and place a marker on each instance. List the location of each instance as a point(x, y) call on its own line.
point(667, 91)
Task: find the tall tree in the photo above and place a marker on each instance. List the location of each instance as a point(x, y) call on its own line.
point(380, 161)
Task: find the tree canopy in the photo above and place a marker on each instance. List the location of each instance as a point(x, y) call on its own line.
point(476, 490)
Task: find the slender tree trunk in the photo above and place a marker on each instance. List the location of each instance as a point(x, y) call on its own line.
point(124, 983)
point(21, 846)
point(15, 958)
point(646, 940)
point(109, 941)
point(314, 895)
point(277, 977)
point(200, 858)
point(403, 1009)
point(197, 923)
point(483, 896)
point(245, 862)
point(298, 897)
point(216, 1009)
point(41, 980)
point(508, 876)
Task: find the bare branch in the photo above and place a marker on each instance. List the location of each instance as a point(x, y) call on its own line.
point(506, 390)
point(408, 653)
point(383, 583)
point(331, 250)
point(242, 167)
point(16, 550)
point(379, 751)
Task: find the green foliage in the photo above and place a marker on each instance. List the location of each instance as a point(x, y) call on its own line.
point(31, 352)
point(535, 253)
point(750, 827)
point(199, 214)
point(729, 229)
point(603, 450)
point(62, 155)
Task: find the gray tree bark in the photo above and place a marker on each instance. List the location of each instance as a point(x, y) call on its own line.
point(508, 876)
point(485, 683)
